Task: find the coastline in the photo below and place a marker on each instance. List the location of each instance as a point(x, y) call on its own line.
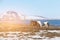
point(27, 28)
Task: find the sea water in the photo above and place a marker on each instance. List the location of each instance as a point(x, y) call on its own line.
point(52, 22)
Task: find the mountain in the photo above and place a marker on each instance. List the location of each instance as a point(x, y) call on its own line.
point(35, 18)
point(11, 17)
point(14, 16)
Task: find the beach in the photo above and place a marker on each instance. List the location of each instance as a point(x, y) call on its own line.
point(29, 32)
point(27, 28)
point(40, 35)
point(12, 31)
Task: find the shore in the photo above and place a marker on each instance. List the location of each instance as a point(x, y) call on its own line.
point(33, 31)
point(51, 27)
point(26, 28)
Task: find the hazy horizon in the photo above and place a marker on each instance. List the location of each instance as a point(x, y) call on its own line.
point(45, 8)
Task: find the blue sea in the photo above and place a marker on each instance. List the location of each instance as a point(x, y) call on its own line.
point(52, 22)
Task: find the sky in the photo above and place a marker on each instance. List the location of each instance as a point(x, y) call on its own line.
point(45, 8)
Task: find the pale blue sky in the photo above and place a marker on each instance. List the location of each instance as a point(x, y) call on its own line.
point(45, 8)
